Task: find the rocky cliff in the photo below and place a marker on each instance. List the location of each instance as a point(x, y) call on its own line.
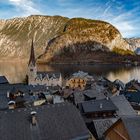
point(134, 42)
point(56, 38)
point(16, 34)
point(81, 38)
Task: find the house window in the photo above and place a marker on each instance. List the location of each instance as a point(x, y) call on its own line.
point(31, 69)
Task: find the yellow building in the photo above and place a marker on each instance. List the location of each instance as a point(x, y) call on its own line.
point(79, 80)
point(76, 82)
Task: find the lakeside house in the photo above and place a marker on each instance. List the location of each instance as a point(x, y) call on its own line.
point(79, 80)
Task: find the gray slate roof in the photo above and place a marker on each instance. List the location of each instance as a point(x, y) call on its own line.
point(54, 122)
point(3, 102)
point(132, 124)
point(94, 106)
point(94, 94)
point(22, 87)
point(101, 125)
point(26, 89)
point(78, 97)
point(124, 107)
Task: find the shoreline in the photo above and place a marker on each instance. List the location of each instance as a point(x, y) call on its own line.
point(89, 63)
point(95, 62)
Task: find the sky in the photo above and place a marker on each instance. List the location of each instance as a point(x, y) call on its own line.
point(123, 14)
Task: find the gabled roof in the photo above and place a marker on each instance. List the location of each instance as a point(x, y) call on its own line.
point(101, 125)
point(3, 80)
point(32, 56)
point(124, 107)
point(81, 74)
point(94, 94)
point(3, 101)
point(98, 106)
point(132, 96)
point(54, 122)
point(78, 97)
point(49, 75)
point(22, 87)
point(132, 125)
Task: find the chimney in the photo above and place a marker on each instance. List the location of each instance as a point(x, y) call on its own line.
point(107, 98)
point(33, 118)
point(11, 104)
point(101, 105)
point(8, 94)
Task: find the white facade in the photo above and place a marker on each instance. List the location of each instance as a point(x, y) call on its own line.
point(41, 78)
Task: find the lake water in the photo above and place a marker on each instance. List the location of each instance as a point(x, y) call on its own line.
point(16, 71)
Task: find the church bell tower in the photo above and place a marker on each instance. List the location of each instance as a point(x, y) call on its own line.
point(32, 69)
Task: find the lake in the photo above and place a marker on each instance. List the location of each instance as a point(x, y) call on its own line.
point(16, 71)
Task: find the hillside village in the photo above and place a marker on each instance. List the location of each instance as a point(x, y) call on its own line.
point(81, 107)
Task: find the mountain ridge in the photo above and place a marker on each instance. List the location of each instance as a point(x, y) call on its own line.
point(54, 35)
point(16, 34)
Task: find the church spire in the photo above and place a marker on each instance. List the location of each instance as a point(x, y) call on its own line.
point(32, 55)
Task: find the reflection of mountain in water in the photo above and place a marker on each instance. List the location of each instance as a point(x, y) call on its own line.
point(125, 75)
point(16, 72)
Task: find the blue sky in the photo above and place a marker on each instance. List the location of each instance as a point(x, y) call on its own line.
point(123, 14)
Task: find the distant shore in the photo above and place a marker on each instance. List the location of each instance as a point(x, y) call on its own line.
point(135, 63)
point(104, 59)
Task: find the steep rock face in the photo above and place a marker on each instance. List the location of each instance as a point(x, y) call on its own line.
point(134, 42)
point(83, 35)
point(16, 34)
point(62, 36)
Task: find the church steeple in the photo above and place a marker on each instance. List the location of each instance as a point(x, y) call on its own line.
point(32, 69)
point(32, 56)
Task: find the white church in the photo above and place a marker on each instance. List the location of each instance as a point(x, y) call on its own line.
point(41, 78)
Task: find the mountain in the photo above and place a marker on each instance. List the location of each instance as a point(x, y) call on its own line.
point(135, 44)
point(57, 38)
point(16, 34)
point(86, 40)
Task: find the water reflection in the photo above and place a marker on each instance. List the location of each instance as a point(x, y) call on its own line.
point(16, 71)
point(125, 75)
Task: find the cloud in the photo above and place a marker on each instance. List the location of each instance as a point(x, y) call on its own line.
point(25, 7)
point(17, 1)
point(125, 15)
